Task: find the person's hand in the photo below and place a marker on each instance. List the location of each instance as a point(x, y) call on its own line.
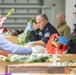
point(52, 42)
point(31, 43)
point(29, 27)
point(62, 40)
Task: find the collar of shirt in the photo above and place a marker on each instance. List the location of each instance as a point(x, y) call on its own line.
point(61, 24)
point(46, 27)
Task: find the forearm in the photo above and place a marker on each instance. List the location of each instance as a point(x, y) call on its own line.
point(13, 48)
point(56, 44)
point(40, 42)
point(20, 50)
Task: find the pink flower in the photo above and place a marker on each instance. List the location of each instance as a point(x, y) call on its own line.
point(2, 21)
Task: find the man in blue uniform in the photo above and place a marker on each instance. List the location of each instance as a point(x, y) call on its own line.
point(44, 32)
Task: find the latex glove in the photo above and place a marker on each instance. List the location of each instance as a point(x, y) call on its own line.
point(31, 43)
point(29, 27)
point(62, 40)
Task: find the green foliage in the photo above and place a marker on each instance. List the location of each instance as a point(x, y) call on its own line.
point(29, 58)
point(8, 59)
point(32, 20)
point(24, 38)
point(10, 12)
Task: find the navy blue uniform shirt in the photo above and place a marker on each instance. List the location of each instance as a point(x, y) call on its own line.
point(44, 34)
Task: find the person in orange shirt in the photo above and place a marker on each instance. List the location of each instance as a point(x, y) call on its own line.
point(56, 44)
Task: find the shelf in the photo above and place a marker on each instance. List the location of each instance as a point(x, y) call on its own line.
point(20, 6)
point(24, 10)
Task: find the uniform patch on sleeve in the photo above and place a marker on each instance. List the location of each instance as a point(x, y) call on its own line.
point(40, 33)
point(47, 35)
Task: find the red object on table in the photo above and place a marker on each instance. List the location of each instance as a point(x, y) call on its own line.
point(4, 53)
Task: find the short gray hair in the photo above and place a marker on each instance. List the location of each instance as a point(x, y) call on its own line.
point(44, 16)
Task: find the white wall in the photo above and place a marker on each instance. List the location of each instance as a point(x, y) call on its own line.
point(54, 10)
point(64, 6)
point(69, 12)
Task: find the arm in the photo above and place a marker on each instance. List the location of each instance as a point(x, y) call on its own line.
point(13, 48)
point(56, 44)
point(40, 42)
point(67, 33)
point(61, 41)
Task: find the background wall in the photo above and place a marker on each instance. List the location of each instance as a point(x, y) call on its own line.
point(69, 12)
point(64, 6)
point(24, 9)
point(55, 7)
